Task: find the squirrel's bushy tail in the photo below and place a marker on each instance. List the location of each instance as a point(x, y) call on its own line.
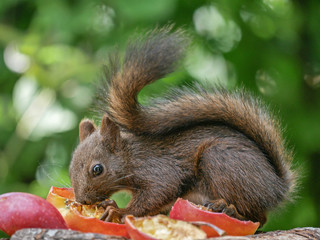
point(146, 60)
point(152, 58)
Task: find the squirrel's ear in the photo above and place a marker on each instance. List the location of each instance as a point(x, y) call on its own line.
point(110, 133)
point(86, 127)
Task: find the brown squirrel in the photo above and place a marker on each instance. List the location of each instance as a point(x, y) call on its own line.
point(218, 148)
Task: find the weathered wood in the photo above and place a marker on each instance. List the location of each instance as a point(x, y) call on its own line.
point(293, 234)
point(55, 234)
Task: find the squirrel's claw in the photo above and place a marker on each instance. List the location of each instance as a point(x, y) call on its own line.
point(220, 205)
point(112, 214)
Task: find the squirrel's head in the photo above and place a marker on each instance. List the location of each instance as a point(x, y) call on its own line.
point(96, 167)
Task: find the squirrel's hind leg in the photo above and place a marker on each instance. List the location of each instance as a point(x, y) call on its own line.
point(236, 177)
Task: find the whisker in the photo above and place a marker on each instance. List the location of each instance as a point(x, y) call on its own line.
point(61, 181)
point(124, 177)
point(122, 186)
point(101, 183)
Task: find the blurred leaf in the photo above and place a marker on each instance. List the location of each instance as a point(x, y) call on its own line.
point(152, 10)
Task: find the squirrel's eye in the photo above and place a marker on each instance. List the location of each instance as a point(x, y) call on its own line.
point(97, 169)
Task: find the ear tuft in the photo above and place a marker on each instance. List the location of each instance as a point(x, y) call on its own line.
point(110, 133)
point(86, 128)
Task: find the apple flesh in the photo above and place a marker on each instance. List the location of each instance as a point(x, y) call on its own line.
point(161, 227)
point(23, 210)
point(187, 211)
point(84, 218)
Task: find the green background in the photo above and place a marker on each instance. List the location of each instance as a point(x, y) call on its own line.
point(51, 54)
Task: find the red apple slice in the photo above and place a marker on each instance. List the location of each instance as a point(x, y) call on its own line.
point(23, 210)
point(83, 218)
point(161, 227)
point(187, 211)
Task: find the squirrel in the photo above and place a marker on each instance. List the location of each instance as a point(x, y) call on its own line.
point(219, 148)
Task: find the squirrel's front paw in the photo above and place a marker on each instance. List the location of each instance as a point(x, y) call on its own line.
point(112, 214)
point(220, 205)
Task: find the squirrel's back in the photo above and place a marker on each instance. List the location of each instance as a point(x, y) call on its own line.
point(155, 56)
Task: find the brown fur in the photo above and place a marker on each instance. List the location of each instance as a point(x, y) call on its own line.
point(197, 144)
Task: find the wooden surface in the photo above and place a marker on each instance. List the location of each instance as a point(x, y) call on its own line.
point(293, 234)
point(55, 234)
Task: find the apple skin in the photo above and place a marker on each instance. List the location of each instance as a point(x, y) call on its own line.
point(76, 221)
point(161, 226)
point(134, 233)
point(23, 210)
point(187, 211)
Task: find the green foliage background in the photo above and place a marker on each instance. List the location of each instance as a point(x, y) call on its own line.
point(51, 53)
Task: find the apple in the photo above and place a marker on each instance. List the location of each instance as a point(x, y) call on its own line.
point(23, 210)
point(84, 218)
point(161, 227)
point(187, 211)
